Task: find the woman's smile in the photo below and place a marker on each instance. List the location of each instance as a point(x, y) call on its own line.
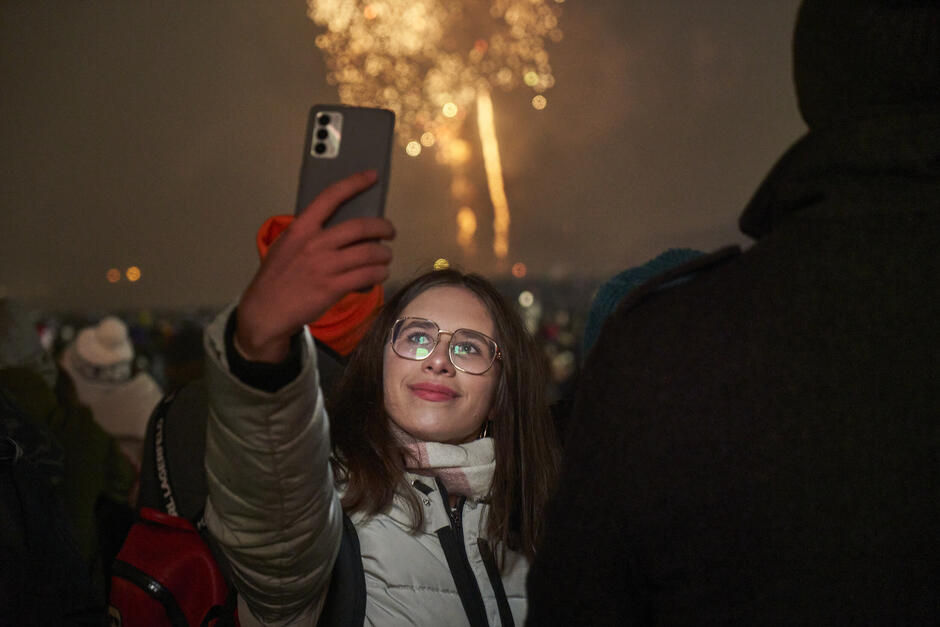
point(433, 392)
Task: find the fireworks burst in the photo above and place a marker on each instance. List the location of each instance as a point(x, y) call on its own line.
point(432, 62)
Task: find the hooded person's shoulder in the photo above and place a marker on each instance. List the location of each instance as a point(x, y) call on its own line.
point(676, 276)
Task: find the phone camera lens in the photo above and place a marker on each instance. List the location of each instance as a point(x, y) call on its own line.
point(322, 134)
point(323, 119)
point(320, 148)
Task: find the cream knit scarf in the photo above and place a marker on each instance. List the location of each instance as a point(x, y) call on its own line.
point(464, 469)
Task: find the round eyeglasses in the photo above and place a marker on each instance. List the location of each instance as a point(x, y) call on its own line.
point(469, 351)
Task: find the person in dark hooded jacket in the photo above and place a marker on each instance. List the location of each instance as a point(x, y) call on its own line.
point(757, 445)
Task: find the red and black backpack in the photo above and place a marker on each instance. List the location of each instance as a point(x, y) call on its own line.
point(168, 572)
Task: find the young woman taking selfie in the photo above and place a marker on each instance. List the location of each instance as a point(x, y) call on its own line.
point(437, 446)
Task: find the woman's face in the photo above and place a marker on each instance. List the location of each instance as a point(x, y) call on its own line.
point(430, 399)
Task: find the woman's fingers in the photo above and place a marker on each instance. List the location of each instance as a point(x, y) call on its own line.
point(353, 257)
point(364, 277)
point(327, 201)
point(356, 230)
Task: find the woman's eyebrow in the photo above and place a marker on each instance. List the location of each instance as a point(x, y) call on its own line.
point(423, 322)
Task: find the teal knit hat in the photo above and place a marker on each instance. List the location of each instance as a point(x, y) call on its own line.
point(613, 291)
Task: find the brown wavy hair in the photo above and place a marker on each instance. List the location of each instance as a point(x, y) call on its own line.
point(370, 462)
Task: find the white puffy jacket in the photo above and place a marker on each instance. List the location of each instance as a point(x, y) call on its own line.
point(275, 511)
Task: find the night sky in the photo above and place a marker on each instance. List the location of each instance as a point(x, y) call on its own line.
point(161, 135)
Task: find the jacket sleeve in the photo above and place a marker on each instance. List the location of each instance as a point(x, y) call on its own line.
point(272, 504)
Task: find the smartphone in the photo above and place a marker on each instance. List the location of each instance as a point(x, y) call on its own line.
point(341, 141)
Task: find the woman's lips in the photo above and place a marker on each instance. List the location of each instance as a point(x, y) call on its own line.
point(433, 392)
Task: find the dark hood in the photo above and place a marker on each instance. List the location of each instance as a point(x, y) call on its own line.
point(874, 153)
point(853, 56)
point(867, 77)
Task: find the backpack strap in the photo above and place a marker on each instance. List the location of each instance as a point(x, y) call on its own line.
point(161, 467)
point(346, 600)
point(492, 571)
point(165, 483)
point(154, 588)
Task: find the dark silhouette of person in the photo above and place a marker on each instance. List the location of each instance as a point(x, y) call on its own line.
point(758, 445)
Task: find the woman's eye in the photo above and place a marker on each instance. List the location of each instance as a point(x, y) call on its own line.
point(419, 338)
point(464, 349)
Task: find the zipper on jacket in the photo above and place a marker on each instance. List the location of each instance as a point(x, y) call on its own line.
point(455, 550)
point(456, 519)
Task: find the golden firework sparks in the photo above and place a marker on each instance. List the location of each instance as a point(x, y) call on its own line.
point(432, 62)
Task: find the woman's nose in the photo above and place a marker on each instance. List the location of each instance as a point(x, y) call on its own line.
point(439, 359)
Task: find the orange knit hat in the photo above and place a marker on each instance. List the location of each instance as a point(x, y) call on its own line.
point(344, 324)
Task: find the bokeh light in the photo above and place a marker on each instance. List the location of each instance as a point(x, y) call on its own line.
point(539, 102)
point(526, 298)
point(457, 153)
point(461, 187)
point(519, 270)
point(67, 333)
point(413, 149)
point(563, 365)
point(466, 227)
point(441, 264)
point(113, 275)
point(133, 274)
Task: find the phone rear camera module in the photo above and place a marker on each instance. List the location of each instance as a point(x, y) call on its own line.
point(326, 134)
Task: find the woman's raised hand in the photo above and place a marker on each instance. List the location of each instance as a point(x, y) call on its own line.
point(309, 268)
